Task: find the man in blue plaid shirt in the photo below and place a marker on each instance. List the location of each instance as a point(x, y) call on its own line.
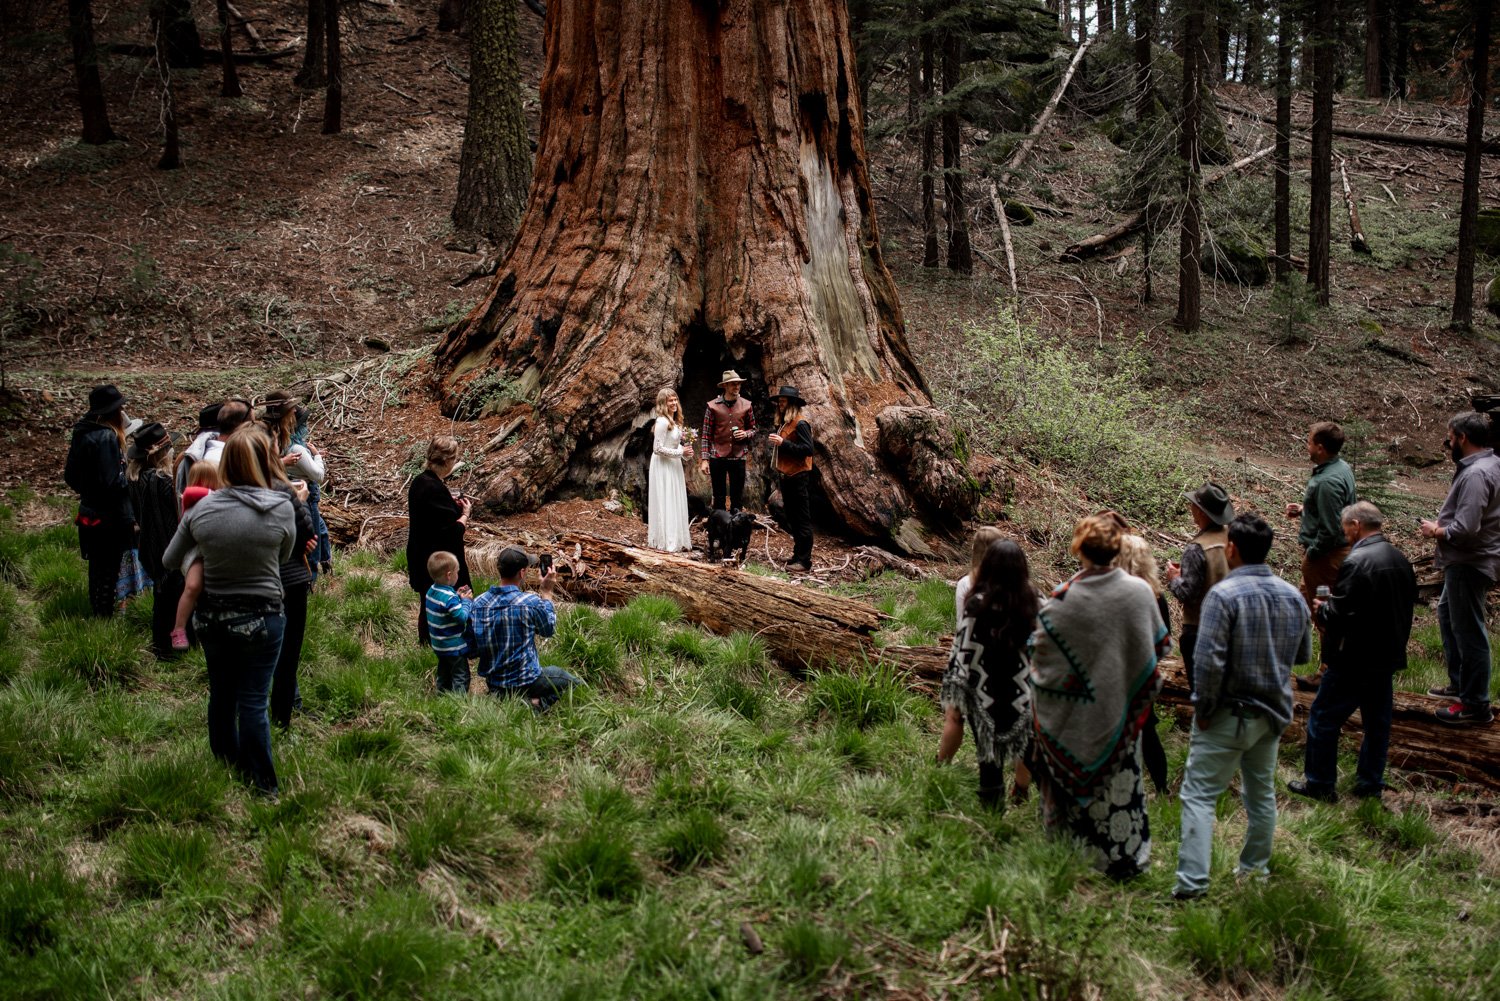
point(505, 621)
point(1254, 628)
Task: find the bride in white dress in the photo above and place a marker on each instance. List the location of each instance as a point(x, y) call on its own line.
point(666, 513)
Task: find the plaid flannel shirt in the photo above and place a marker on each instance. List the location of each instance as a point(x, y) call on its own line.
point(1254, 627)
point(505, 621)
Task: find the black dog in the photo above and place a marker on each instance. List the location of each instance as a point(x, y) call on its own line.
point(728, 532)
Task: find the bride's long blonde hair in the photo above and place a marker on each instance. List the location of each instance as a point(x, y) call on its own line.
point(668, 406)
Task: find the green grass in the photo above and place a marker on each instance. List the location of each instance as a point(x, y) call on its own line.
point(464, 847)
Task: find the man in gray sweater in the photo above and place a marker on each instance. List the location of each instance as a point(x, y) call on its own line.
point(1467, 530)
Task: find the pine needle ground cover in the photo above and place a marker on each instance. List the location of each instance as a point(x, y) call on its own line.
point(630, 843)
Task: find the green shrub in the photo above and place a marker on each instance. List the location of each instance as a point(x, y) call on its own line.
point(810, 951)
point(174, 787)
point(99, 651)
point(155, 859)
point(870, 697)
point(597, 863)
point(38, 901)
point(1086, 415)
point(695, 838)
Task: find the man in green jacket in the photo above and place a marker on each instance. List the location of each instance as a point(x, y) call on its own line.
point(1330, 489)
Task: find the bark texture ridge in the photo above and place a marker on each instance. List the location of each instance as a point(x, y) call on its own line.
point(700, 200)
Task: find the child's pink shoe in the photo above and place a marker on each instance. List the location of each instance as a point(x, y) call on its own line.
point(179, 639)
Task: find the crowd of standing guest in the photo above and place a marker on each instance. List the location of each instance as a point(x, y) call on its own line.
point(1063, 688)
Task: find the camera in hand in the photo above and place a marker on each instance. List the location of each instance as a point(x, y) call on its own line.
point(544, 564)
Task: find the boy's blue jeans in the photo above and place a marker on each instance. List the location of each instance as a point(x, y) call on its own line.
point(452, 672)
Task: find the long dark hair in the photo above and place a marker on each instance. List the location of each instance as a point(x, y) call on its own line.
point(1003, 604)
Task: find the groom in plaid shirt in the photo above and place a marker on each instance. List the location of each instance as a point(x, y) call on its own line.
point(1254, 628)
point(505, 621)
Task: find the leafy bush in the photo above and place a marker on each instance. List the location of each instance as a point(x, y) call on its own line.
point(1088, 415)
point(597, 863)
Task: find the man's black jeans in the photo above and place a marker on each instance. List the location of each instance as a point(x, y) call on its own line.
point(728, 479)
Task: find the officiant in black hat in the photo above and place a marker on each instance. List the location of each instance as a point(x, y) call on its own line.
point(793, 444)
point(95, 468)
point(1204, 562)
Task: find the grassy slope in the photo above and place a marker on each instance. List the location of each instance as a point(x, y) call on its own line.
point(462, 848)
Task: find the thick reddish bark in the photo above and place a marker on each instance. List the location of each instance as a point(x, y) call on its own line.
point(700, 200)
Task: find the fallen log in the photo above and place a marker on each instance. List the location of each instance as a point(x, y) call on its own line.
point(209, 55)
point(1419, 743)
point(1490, 146)
point(1097, 243)
point(809, 628)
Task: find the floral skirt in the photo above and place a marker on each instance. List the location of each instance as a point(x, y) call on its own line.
point(1114, 827)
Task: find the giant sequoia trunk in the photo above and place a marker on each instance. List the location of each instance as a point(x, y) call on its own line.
point(700, 201)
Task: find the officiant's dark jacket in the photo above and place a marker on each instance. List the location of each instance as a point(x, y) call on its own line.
point(1367, 619)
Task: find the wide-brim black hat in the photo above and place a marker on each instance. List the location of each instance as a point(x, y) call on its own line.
point(1213, 500)
point(790, 393)
point(208, 417)
point(105, 400)
point(148, 439)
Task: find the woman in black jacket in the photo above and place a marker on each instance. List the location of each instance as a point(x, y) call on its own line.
point(96, 470)
point(296, 583)
point(153, 497)
point(435, 523)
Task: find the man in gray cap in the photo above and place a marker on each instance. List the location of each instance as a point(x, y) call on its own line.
point(506, 620)
point(728, 427)
point(1203, 562)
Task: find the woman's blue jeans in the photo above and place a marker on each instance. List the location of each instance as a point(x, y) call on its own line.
point(241, 648)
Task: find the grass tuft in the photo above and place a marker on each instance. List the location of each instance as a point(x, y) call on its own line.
point(393, 948)
point(38, 901)
point(174, 787)
point(810, 951)
point(597, 863)
point(863, 699)
point(99, 651)
point(693, 839)
point(637, 627)
point(155, 859)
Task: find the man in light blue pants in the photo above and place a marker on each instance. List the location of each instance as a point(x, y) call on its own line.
point(1254, 628)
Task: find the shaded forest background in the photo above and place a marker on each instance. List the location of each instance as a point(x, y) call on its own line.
point(277, 240)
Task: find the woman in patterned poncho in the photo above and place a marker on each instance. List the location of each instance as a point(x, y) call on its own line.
point(1093, 679)
point(985, 682)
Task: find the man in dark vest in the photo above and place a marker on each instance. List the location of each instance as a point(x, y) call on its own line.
point(1203, 562)
point(1366, 624)
point(728, 427)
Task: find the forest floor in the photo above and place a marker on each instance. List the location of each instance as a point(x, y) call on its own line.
point(278, 254)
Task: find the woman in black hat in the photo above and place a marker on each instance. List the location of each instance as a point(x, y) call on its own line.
point(96, 470)
point(794, 461)
point(153, 497)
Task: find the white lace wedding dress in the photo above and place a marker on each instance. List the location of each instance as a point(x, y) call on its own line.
point(666, 513)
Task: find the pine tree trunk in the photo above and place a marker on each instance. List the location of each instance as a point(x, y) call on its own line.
point(1468, 214)
point(1190, 244)
point(313, 75)
point(494, 169)
point(1106, 16)
point(1253, 72)
point(1083, 21)
point(1122, 12)
point(231, 86)
point(333, 100)
point(1372, 48)
point(183, 45)
point(913, 64)
point(701, 200)
point(1402, 12)
point(171, 154)
point(453, 15)
point(1324, 45)
point(1283, 154)
point(955, 208)
point(931, 258)
point(1145, 24)
point(91, 105)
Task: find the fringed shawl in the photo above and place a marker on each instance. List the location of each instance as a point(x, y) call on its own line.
point(1093, 677)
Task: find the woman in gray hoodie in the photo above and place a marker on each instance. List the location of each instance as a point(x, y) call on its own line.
point(244, 531)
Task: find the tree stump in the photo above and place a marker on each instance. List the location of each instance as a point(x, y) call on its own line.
point(700, 201)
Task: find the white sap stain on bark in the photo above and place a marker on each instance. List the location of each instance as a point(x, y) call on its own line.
point(833, 291)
